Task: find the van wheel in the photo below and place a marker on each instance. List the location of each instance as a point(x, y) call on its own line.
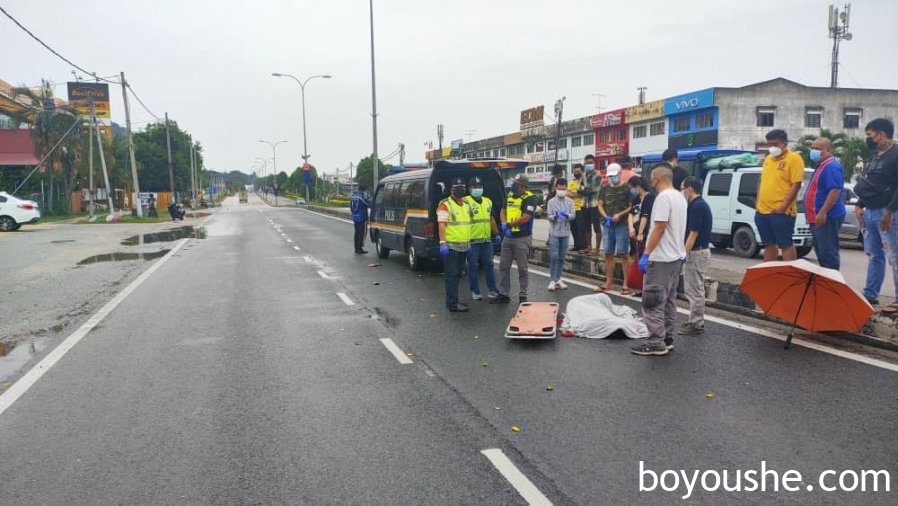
point(744, 243)
point(379, 246)
point(415, 262)
point(722, 244)
point(803, 251)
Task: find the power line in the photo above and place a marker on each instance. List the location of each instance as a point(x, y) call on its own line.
point(147, 109)
point(63, 58)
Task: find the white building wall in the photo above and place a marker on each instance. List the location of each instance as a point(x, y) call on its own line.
point(649, 144)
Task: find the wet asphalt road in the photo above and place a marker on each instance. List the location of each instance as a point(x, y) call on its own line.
point(265, 387)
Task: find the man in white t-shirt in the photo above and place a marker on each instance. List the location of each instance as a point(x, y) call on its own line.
point(662, 262)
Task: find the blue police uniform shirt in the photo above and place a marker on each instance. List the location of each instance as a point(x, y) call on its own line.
point(359, 206)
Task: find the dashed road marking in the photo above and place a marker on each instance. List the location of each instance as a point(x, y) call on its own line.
point(323, 274)
point(346, 300)
point(521, 483)
point(391, 346)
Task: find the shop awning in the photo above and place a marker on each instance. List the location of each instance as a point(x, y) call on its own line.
point(17, 148)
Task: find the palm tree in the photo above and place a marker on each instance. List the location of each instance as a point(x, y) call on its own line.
point(48, 125)
point(849, 150)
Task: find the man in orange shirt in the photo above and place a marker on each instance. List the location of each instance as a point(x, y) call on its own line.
point(781, 178)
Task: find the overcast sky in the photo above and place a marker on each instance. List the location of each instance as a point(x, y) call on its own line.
point(468, 64)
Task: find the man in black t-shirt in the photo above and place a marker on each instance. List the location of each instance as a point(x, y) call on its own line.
point(698, 255)
point(679, 173)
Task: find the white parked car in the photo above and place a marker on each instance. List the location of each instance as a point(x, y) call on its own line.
point(731, 194)
point(15, 212)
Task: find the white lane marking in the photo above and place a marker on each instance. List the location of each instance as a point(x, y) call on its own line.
point(524, 486)
point(346, 300)
point(18, 388)
point(391, 346)
point(327, 216)
point(289, 240)
point(755, 330)
point(296, 248)
point(323, 274)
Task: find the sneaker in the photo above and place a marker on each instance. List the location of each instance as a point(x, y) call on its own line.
point(500, 299)
point(476, 296)
point(691, 330)
point(458, 308)
point(522, 298)
point(551, 287)
point(561, 284)
point(649, 349)
point(872, 300)
point(493, 295)
point(668, 343)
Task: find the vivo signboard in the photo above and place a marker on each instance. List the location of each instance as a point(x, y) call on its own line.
point(689, 102)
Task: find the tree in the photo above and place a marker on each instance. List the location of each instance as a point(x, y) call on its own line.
point(152, 157)
point(296, 182)
point(50, 125)
point(850, 151)
point(365, 171)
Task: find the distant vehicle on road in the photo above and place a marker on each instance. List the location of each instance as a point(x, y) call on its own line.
point(243, 197)
point(300, 201)
point(731, 194)
point(15, 212)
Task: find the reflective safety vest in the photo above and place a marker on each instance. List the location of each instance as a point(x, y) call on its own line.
point(513, 207)
point(458, 225)
point(481, 231)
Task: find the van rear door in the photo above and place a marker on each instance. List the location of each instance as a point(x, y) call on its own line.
point(717, 194)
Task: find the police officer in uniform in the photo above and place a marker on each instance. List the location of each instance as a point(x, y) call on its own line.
point(454, 218)
point(517, 227)
point(483, 228)
point(359, 206)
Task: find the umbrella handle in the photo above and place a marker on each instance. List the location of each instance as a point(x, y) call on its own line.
point(798, 312)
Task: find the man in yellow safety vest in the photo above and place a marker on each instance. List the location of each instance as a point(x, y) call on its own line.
point(454, 219)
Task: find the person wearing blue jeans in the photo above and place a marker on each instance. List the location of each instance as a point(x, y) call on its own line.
point(614, 207)
point(824, 205)
point(877, 191)
point(560, 212)
point(484, 233)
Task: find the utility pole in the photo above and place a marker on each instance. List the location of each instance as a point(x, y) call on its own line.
point(401, 154)
point(641, 99)
point(135, 201)
point(376, 160)
point(350, 177)
point(838, 30)
point(171, 171)
point(559, 108)
point(192, 175)
point(440, 138)
point(90, 150)
point(103, 161)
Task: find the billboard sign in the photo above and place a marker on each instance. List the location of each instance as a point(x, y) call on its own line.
point(607, 119)
point(648, 110)
point(689, 102)
point(81, 94)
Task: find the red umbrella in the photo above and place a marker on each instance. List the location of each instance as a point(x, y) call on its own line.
point(811, 297)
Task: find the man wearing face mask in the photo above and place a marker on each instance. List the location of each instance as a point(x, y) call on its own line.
point(824, 206)
point(590, 184)
point(483, 229)
point(877, 191)
point(577, 225)
point(454, 219)
point(517, 227)
point(614, 207)
point(781, 178)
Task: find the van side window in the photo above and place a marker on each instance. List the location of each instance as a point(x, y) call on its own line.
point(391, 199)
point(719, 185)
point(414, 193)
point(748, 189)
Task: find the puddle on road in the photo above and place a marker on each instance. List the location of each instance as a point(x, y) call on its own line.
point(166, 236)
point(16, 354)
point(122, 257)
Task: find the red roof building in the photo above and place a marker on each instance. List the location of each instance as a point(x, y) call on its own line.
point(17, 148)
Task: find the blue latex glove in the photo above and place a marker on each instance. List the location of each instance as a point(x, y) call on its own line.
point(444, 250)
point(564, 215)
point(506, 230)
point(608, 221)
point(497, 240)
point(644, 263)
point(559, 215)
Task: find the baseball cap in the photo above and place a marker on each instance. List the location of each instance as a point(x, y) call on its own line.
point(612, 170)
point(521, 180)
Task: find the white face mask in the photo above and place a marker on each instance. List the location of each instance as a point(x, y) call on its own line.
point(561, 193)
point(776, 151)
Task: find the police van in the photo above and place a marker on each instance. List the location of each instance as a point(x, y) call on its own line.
point(403, 216)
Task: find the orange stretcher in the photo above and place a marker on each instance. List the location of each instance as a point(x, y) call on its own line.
point(534, 320)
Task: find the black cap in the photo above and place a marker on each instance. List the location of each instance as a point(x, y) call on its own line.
point(625, 160)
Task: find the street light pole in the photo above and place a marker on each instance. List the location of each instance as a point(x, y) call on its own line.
point(302, 87)
point(373, 96)
point(274, 163)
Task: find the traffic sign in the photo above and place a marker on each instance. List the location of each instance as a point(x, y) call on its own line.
point(305, 166)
